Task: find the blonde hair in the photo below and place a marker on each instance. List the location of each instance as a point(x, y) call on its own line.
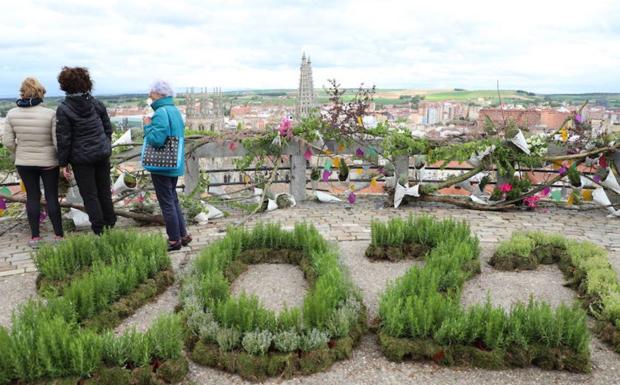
point(31, 88)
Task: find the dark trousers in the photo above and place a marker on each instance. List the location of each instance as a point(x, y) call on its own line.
point(31, 176)
point(93, 181)
point(165, 189)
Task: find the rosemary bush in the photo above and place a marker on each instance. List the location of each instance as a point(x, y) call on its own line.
point(330, 309)
point(424, 304)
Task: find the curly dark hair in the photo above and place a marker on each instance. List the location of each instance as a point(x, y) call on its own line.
point(75, 80)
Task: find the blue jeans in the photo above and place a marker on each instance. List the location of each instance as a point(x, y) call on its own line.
point(165, 189)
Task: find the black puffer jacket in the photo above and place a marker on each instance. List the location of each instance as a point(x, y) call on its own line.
point(83, 130)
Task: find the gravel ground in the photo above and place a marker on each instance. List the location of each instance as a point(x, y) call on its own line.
point(371, 277)
point(276, 285)
point(15, 290)
point(505, 288)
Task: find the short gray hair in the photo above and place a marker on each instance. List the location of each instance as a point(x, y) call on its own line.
point(162, 87)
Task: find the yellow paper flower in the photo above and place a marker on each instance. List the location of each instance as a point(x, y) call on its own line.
point(341, 148)
point(564, 134)
point(587, 195)
point(359, 121)
point(570, 200)
point(373, 182)
point(359, 171)
point(336, 162)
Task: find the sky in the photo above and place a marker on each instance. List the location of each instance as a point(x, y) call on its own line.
point(543, 46)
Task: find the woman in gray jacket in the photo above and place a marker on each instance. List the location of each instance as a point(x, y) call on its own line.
point(31, 134)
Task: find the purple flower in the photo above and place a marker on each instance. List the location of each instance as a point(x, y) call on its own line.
point(326, 175)
point(351, 197)
point(563, 170)
point(359, 153)
point(546, 191)
point(597, 178)
point(578, 118)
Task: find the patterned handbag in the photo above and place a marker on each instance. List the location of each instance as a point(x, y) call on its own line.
point(169, 157)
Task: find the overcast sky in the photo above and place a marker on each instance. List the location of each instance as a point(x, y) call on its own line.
point(541, 46)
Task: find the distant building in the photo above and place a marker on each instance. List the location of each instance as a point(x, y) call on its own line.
point(531, 119)
point(306, 101)
point(204, 111)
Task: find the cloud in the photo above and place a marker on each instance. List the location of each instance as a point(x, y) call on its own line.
point(542, 46)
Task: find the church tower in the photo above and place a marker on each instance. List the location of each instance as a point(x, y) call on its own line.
point(305, 93)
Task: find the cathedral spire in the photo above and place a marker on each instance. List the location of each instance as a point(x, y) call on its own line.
point(305, 92)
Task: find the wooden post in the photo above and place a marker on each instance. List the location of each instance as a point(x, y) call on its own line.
point(401, 167)
point(192, 173)
point(298, 177)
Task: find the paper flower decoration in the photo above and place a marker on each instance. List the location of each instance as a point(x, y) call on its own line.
point(546, 191)
point(587, 195)
point(341, 148)
point(336, 162)
point(602, 161)
point(2, 204)
point(597, 178)
point(326, 175)
point(308, 154)
point(328, 164)
point(373, 182)
point(563, 170)
point(505, 188)
point(360, 122)
point(351, 198)
point(359, 153)
point(285, 127)
point(556, 195)
point(232, 146)
point(531, 201)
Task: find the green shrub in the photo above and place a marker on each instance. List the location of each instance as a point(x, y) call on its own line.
point(287, 341)
point(257, 342)
point(166, 337)
point(421, 313)
point(228, 338)
point(313, 340)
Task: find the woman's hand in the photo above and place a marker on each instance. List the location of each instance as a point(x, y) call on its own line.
point(66, 172)
point(146, 120)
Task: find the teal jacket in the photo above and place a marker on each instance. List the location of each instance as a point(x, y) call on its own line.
point(164, 125)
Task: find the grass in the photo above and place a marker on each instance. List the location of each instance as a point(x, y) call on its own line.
point(421, 315)
point(226, 328)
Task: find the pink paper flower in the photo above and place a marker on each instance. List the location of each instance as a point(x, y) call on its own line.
point(326, 175)
point(351, 197)
point(232, 146)
point(308, 154)
point(531, 201)
point(505, 188)
point(285, 128)
point(546, 191)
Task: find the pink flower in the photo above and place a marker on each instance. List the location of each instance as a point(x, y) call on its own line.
point(602, 161)
point(505, 188)
point(285, 127)
point(546, 191)
point(531, 200)
point(308, 154)
point(232, 146)
point(351, 197)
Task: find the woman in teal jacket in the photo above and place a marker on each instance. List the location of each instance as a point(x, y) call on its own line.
point(167, 121)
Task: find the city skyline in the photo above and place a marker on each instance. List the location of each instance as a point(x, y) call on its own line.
point(543, 47)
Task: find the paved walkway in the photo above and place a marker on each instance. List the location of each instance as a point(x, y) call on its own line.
point(344, 222)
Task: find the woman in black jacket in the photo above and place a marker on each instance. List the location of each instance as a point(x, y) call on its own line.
point(84, 133)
